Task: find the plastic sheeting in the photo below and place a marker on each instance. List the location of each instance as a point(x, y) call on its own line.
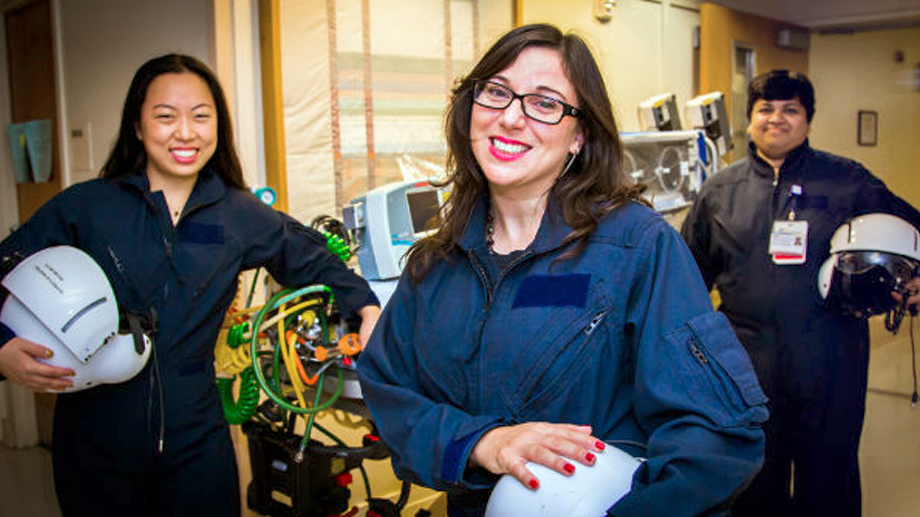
point(365, 83)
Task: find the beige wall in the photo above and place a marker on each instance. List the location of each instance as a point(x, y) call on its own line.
point(858, 72)
point(102, 43)
point(814, 13)
point(645, 49)
point(721, 30)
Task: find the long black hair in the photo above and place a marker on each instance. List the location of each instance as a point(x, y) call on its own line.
point(128, 154)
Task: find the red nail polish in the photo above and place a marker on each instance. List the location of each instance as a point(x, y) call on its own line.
point(568, 467)
point(534, 484)
point(589, 456)
point(600, 445)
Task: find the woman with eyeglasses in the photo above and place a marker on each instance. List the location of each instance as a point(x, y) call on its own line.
point(553, 313)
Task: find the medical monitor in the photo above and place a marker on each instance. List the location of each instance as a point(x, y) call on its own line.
point(707, 112)
point(387, 221)
point(659, 113)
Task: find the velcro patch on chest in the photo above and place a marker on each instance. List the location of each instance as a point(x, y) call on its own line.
point(553, 291)
point(816, 202)
point(199, 233)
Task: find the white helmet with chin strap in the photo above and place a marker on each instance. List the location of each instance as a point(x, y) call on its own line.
point(588, 492)
point(60, 298)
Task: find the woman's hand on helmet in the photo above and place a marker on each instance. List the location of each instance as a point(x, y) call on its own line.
point(19, 363)
point(506, 450)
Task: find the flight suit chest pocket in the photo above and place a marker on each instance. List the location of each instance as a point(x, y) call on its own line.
point(556, 322)
point(553, 291)
point(201, 233)
point(204, 253)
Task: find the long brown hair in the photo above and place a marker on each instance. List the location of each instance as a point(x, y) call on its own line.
point(593, 186)
point(128, 154)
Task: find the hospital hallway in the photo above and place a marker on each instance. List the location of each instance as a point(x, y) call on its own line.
point(889, 454)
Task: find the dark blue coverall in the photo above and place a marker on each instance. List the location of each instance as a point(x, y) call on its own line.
point(107, 459)
point(812, 362)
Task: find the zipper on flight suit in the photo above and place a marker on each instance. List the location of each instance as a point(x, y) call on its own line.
point(483, 276)
point(598, 318)
point(156, 378)
point(700, 356)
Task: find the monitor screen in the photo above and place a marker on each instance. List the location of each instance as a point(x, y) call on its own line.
point(423, 206)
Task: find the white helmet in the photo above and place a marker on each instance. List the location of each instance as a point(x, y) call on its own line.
point(60, 298)
point(590, 491)
point(871, 256)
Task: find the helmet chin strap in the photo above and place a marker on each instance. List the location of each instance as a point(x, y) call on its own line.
point(894, 316)
point(138, 324)
point(892, 322)
point(913, 360)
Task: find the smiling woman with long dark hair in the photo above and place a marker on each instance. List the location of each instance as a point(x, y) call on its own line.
point(171, 224)
point(553, 314)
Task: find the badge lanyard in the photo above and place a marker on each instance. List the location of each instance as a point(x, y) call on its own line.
point(789, 238)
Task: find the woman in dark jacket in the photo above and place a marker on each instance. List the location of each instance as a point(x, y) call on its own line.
point(553, 312)
point(172, 224)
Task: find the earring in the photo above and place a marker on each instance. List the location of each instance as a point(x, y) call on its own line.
point(568, 163)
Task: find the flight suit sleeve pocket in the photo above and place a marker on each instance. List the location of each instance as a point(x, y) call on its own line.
point(726, 364)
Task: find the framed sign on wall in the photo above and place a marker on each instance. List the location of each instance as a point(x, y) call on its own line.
point(867, 128)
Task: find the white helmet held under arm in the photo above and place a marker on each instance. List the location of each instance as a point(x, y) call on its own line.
point(871, 256)
point(588, 492)
point(60, 298)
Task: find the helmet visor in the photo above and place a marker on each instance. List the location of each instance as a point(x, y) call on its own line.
point(864, 280)
point(878, 267)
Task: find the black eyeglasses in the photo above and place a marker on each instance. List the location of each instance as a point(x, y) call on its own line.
point(541, 108)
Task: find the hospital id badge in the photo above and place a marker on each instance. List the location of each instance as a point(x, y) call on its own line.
point(788, 242)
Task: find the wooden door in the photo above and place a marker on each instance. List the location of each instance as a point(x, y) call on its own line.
point(30, 51)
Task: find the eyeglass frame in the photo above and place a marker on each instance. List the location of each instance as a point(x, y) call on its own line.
point(567, 109)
